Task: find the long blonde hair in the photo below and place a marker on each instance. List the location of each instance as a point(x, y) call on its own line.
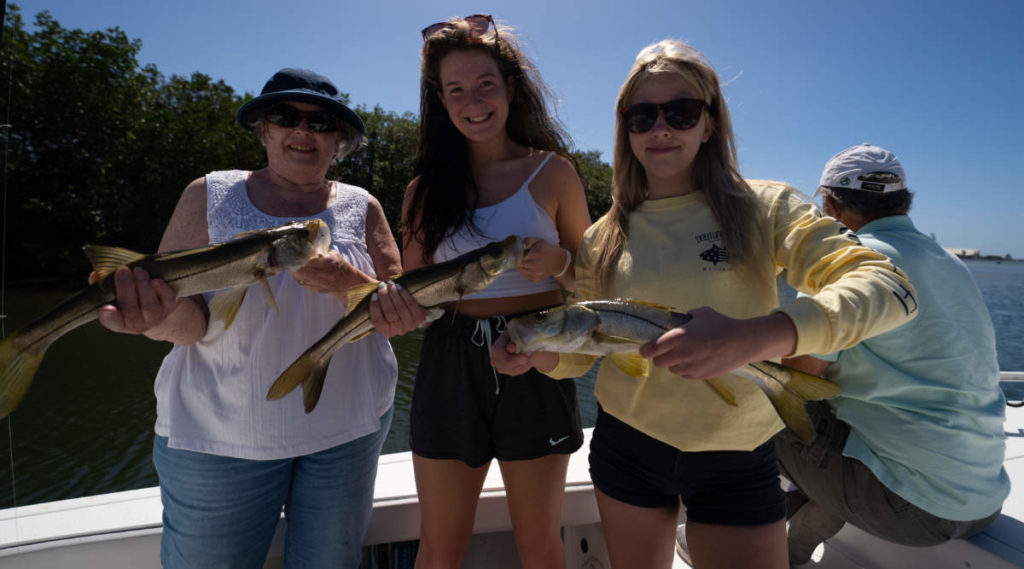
point(715, 170)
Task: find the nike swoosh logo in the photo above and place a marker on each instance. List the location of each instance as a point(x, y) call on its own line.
point(552, 441)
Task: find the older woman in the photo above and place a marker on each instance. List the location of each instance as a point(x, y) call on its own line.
point(227, 459)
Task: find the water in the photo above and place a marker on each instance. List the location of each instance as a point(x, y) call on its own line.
point(86, 426)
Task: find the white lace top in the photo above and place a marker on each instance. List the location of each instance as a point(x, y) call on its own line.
point(211, 396)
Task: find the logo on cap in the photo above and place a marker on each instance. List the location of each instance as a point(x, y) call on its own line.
point(845, 180)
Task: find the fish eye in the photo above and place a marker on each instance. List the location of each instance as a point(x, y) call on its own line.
point(540, 317)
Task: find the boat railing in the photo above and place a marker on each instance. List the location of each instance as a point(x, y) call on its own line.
point(1012, 383)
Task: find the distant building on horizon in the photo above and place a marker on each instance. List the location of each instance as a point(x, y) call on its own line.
point(964, 252)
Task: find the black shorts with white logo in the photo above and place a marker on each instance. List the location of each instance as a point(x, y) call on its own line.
point(463, 409)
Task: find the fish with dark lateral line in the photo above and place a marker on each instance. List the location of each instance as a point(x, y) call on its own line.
point(617, 328)
point(250, 258)
point(431, 286)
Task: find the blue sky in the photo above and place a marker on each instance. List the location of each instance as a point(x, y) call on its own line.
point(939, 83)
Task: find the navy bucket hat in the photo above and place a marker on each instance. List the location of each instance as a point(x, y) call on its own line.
point(303, 86)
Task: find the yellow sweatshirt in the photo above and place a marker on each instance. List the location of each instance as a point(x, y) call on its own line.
point(675, 255)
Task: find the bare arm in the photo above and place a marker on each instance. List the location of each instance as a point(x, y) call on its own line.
point(149, 306)
point(412, 249)
point(332, 274)
point(393, 311)
point(713, 344)
point(561, 191)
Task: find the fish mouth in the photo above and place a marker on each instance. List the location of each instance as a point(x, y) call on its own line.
point(517, 333)
point(319, 236)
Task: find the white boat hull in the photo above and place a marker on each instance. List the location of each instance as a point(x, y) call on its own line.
point(123, 529)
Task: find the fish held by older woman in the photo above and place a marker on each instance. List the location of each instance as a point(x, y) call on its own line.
point(617, 328)
point(249, 258)
point(432, 286)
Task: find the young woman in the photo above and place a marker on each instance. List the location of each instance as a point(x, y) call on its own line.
point(491, 163)
point(685, 230)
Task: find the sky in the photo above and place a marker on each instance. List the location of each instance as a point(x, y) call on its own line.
point(939, 83)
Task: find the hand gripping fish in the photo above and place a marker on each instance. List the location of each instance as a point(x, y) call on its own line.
point(249, 258)
point(431, 286)
point(617, 328)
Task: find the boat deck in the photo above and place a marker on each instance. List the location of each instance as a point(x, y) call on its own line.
point(123, 529)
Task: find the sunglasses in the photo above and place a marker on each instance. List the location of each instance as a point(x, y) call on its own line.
point(289, 117)
point(680, 114)
point(478, 26)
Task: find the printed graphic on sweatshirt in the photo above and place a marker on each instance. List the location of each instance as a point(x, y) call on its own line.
point(716, 256)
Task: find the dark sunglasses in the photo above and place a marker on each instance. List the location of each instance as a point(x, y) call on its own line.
point(290, 117)
point(478, 26)
point(680, 114)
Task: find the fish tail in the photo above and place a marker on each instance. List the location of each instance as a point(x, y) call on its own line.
point(811, 387)
point(292, 377)
point(791, 410)
point(795, 389)
point(17, 369)
point(312, 387)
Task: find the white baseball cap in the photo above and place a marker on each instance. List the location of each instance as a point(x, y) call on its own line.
point(864, 167)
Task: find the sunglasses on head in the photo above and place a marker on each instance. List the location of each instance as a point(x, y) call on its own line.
point(680, 114)
point(288, 116)
point(478, 26)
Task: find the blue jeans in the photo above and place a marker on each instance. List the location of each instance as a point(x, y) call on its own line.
point(221, 512)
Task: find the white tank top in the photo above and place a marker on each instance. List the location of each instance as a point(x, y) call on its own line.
point(519, 215)
point(211, 396)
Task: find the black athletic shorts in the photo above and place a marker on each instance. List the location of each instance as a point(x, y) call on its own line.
point(735, 488)
point(463, 409)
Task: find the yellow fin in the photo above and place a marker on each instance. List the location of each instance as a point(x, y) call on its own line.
point(361, 336)
point(17, 369)
point(795, 392)
point(294, 376)
point(645, 303)
point(811, 387)
point(791, 410)
point(722, 391)
point(356, 294)
point(268, 294)
point(631, 364)
point(224, 306)
point(106, 260)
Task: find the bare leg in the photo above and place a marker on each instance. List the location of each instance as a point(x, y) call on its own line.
point(448, 494)
point(737, 547)
point(635, 536)
point(536, 490)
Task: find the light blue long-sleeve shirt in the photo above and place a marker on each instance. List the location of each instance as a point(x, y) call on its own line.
point(923, 401)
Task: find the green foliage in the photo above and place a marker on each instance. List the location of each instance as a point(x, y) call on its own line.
point(597, 181)
point(100, 148)
point(383, 166)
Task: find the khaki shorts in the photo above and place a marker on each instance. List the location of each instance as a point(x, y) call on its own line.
point(846, 487)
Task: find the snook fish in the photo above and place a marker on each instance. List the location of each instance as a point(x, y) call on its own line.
point(431, 286)
point(617, 328)
point(249, 258)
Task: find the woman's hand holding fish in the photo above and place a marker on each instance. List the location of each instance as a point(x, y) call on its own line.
point(543, 259)
point(712, 344)
point(505, 359)
point(145, 306)
point(393, 311)
point(330, 273)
